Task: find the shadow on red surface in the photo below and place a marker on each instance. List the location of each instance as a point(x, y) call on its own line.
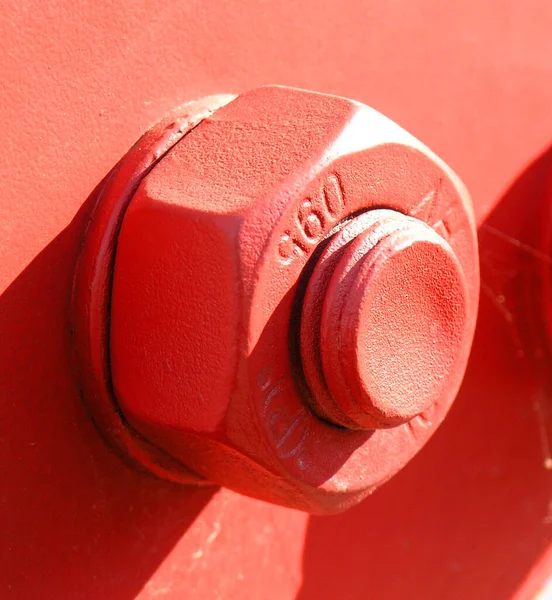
point(466, 520)
point(472, 514)
point(75, 521)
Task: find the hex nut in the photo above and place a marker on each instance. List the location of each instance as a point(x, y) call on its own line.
point(211, 340)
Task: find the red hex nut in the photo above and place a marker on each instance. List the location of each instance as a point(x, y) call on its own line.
point(282, 302)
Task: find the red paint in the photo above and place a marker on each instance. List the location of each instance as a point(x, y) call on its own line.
point(391, 314)
point(484, 523)
point(544, 302)
point(468, 517)
point(259, 185)
point(91, 294)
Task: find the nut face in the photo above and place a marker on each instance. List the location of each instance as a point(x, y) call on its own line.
point(91, 295)
point(212, 262)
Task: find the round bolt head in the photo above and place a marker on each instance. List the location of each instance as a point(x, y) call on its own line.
point(393, 321)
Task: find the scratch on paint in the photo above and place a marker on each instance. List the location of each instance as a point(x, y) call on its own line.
point(548, 519)
point(209, 540)
point(499, 302)
point(517, 243)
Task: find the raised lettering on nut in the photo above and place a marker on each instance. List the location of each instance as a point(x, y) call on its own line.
point(277, 293)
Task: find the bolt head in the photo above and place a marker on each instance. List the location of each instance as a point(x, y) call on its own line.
point(392, 323)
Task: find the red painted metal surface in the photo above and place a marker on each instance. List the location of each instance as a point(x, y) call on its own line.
point(470, 516)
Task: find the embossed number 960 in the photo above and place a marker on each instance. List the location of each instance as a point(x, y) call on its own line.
point(313, 218)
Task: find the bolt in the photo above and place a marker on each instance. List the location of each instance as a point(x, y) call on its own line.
point(383, 319)
point(271, 289)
